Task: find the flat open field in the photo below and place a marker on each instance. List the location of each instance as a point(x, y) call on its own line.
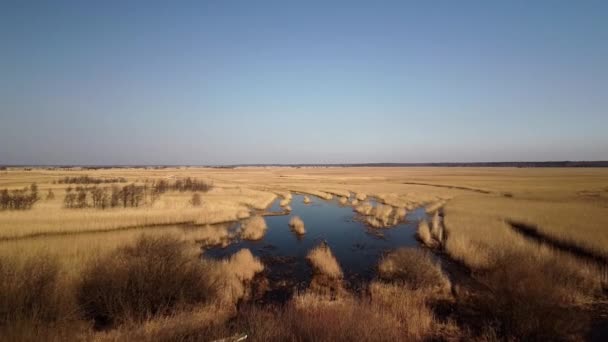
point(510, 253)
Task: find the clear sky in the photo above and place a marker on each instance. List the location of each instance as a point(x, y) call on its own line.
point(223, 82)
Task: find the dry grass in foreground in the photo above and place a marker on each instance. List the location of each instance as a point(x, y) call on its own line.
point(155, 278)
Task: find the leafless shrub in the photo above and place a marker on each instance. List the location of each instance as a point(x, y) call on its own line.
point(156, 276)
point(30, 291)
point(22, 199)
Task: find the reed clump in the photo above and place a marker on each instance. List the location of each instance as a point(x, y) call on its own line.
point(297, 225)
point(413, 268)
point(424, 234)
point(324, 262)
point(285, 202)
point(253, 228)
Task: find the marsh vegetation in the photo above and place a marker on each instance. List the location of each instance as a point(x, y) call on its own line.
point(415, 254)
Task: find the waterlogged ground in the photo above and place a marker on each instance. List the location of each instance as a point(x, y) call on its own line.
point(356, 246)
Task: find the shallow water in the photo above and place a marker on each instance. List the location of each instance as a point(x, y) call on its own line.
point(356, 246)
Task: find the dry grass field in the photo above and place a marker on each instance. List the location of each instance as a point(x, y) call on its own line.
point(529, 249)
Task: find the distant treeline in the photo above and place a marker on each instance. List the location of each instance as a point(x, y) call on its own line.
point(101, 198)
point(90, 180)
point(129, 196)
point(186, 184)
point(19, 199)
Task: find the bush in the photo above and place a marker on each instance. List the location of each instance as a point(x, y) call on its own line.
point(413, 268)
point(30, 291)
point(196, 200)
point(156, 276)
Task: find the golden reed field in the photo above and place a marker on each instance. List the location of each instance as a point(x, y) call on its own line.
point(509, 254)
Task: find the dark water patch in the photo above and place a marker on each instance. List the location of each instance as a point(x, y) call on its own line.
point(356, 246)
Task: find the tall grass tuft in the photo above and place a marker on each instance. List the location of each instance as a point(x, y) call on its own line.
point(436, 228)
point(297, 225)
point(424, 234)
point(253, 228)
point(324, 262)
point(413, 268)
point(233, 274)
point(364, 208)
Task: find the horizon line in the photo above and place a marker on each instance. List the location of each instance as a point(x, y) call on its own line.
point(551, 163)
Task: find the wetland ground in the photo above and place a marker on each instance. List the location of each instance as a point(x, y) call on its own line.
point(239, 267)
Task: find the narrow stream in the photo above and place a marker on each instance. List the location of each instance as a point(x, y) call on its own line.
point(356, 246)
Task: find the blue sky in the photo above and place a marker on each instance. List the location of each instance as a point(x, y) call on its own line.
point(223, 82)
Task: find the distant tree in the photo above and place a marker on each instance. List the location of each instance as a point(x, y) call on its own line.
point(115, 197)
point(5, 199)
point(69, 201)
point(99, 197)
point(34, 193)
point(81, 199)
